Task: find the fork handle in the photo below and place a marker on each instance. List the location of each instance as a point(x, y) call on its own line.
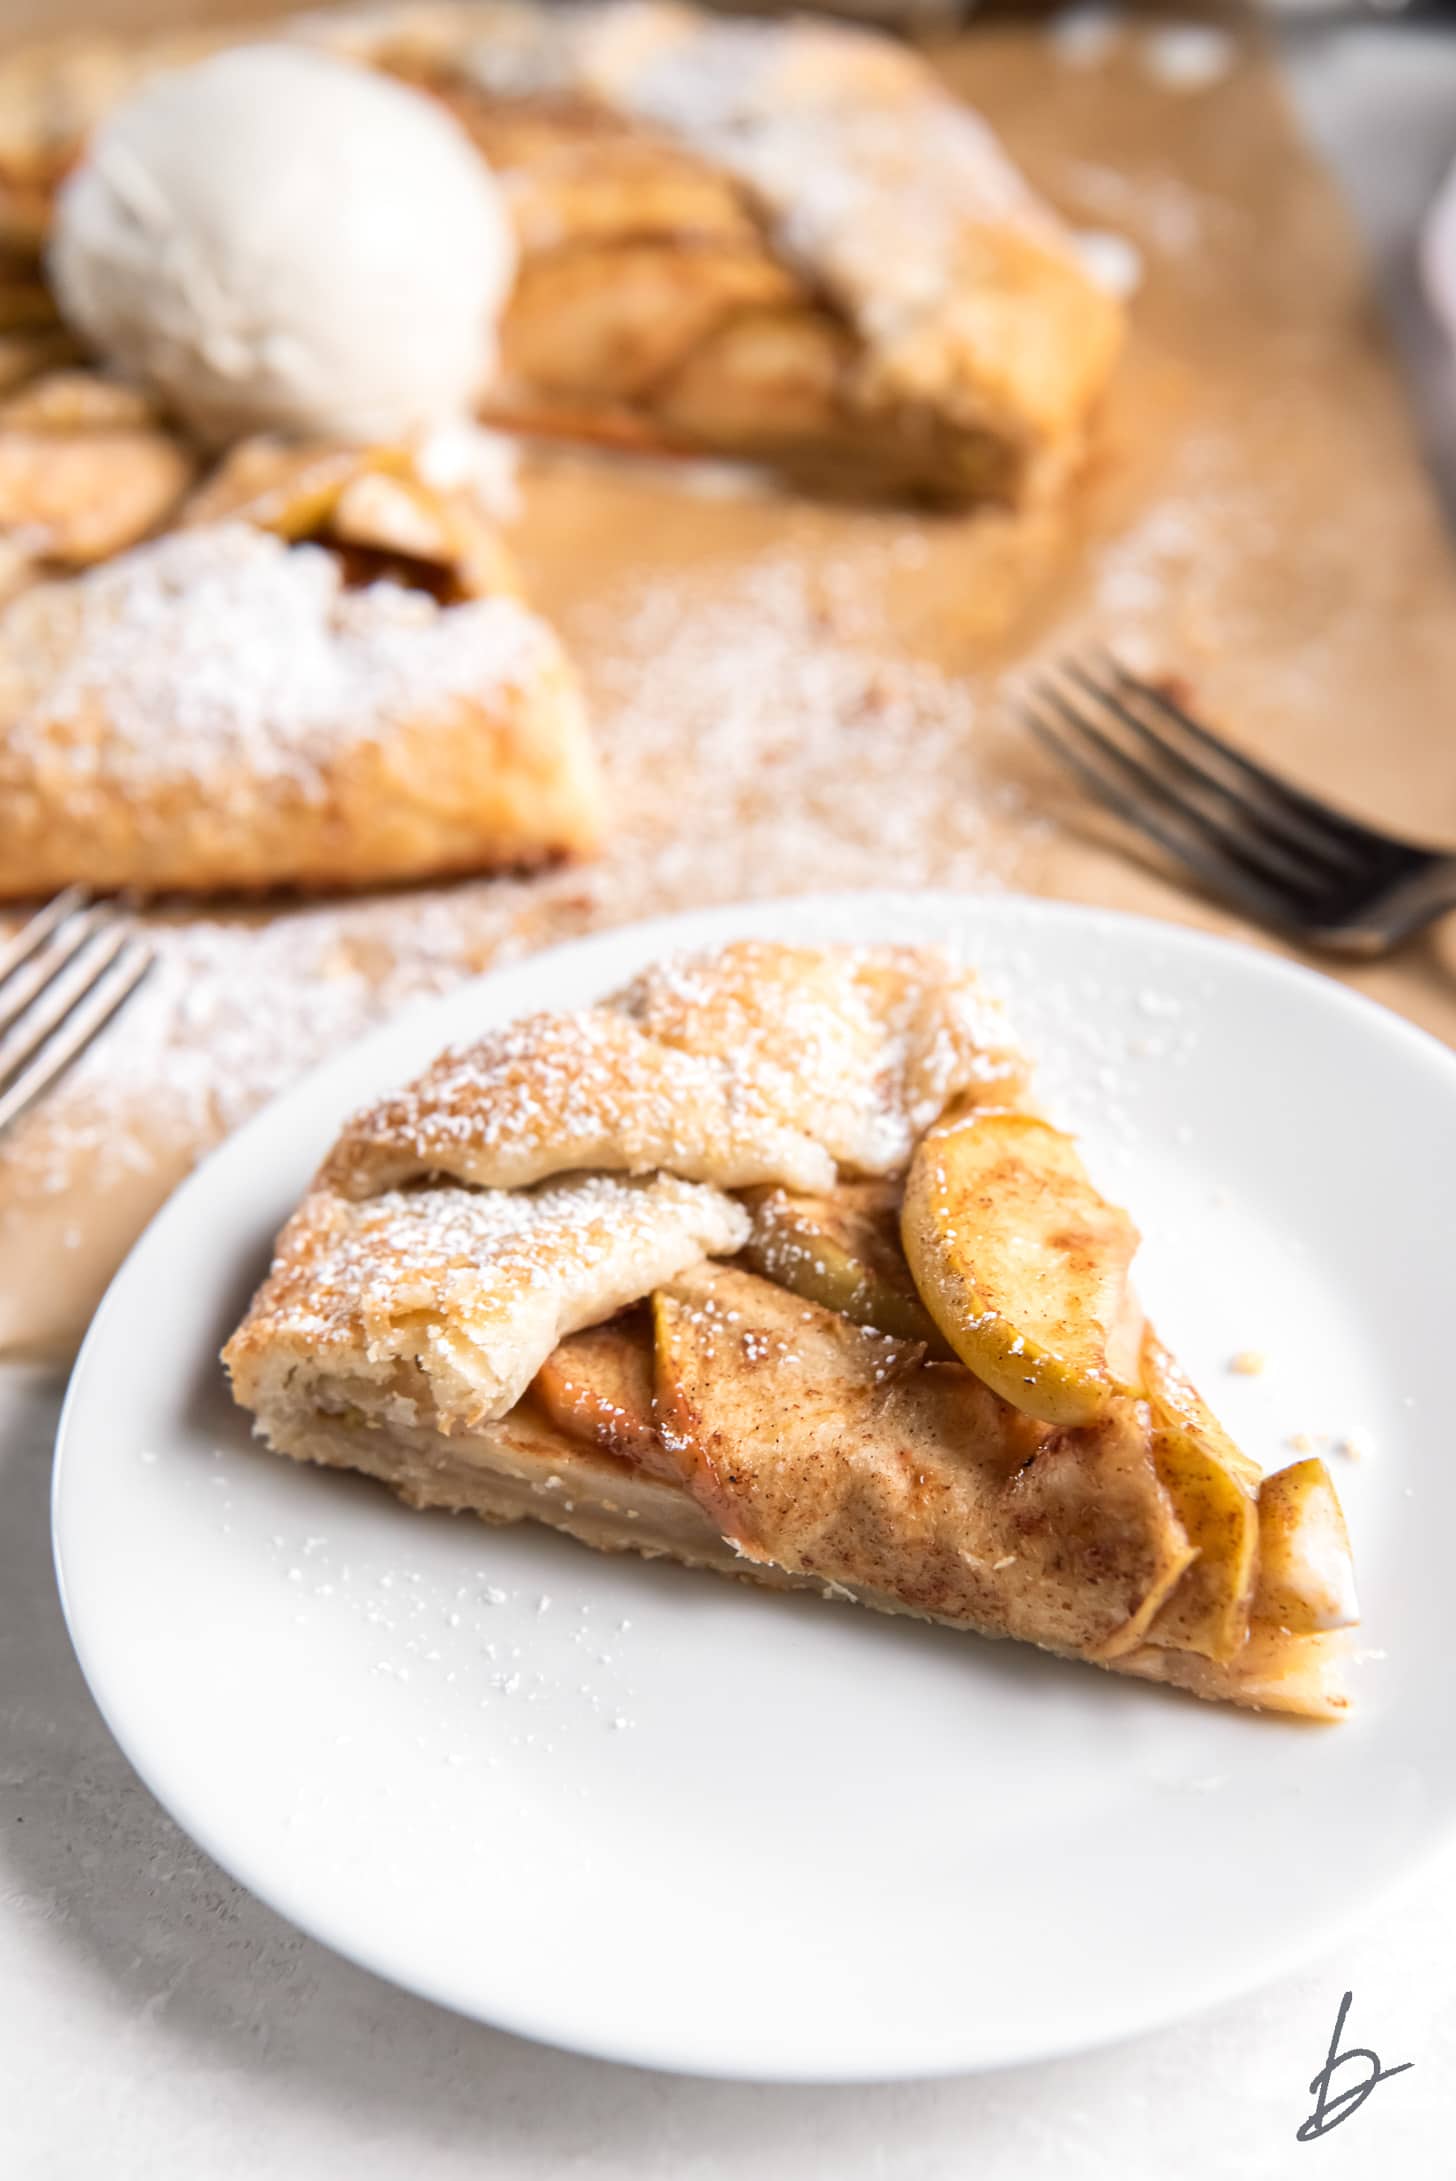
point(1427, 896)
point(1436, 887)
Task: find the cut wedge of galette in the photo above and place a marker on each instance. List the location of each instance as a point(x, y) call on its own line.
point(321, 675)
point(769, 1265)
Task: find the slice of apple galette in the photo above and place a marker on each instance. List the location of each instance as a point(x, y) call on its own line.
point(768, 1264)
point(321, 675)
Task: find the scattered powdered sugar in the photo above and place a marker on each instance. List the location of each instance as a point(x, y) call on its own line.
point(1162, 213)
point(875, 203)
point(468, 457)
point(406, 1248)
point(464, 1647)
point(222, 650)
point(1351, 1446)
point(1188, 56)
point(871, 189)
point(1111, 260)
point(1179, 57)
point(809, 758)
point(1083, 37)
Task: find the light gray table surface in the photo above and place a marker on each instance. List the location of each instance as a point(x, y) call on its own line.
point(157, 2024)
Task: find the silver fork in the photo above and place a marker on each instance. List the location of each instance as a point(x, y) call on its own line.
point(1274, 851)
point(62, 978)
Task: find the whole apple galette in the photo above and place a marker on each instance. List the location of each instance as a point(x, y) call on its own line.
point(769, 1264)
point(785, 241)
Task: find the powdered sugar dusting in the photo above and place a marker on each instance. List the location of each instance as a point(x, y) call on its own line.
point(440, 1305)
point(808, 756)
point(869, 173)
point(1084, 36)
point(222, 651)
point(478, 1262)
point(752, 1064)
point(437, 1248)
point(1188, 56)
point(871, 193)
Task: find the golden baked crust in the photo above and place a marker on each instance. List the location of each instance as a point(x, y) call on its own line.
point(782, 241)
point(319, 678)
point(764, 1063)
point(85, 470)
point(900, 313)
point(424, 1322)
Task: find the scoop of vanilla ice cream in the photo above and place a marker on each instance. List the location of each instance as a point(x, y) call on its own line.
point(278, 240)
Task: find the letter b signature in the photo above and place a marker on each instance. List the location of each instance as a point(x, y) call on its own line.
point(1330, 2110)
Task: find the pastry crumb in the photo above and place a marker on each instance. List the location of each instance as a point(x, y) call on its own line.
point(1248, 1363)
point(1300, 1442)
point(1354, 1445)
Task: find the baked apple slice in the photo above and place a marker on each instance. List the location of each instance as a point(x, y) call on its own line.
point(373, 510)
point(842, 1250)
point(1215, 1488)
point(1306, 1575)
point(1022, 1264)
point(597, 1386)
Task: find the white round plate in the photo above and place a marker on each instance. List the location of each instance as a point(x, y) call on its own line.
point(664, 1818)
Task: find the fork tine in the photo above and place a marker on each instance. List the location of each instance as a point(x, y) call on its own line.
point(88, 1015)
point(1188, 847)
point(1289, 831)
point(74, 977)
point(1264, 862)
point(43, 960)
point(35, 934)
point(1332, 824)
